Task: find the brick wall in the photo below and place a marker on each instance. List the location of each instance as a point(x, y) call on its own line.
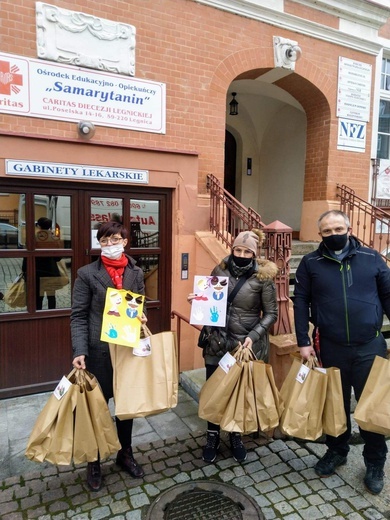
point(198, 51)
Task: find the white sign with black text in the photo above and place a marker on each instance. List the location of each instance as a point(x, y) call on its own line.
point(37, 88)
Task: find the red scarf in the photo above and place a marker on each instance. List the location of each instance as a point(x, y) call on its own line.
point(115, 269)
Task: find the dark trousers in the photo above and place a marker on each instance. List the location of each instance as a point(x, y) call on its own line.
point(355, 364)
point(125, 430)
point(210, 369)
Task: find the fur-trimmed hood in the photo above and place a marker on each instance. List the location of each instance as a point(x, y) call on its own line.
point(265, 269)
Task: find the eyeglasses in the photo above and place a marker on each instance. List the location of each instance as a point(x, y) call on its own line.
point(114, 240)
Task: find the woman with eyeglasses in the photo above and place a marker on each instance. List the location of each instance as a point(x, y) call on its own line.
point(113, 269)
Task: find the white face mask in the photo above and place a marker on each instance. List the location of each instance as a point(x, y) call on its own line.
point(114, 251)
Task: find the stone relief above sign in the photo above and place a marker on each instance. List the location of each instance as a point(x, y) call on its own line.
point(84, 40)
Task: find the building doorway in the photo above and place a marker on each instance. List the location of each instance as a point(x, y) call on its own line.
point(35, 348)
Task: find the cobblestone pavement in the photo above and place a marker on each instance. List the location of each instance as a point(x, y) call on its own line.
point(278, 473)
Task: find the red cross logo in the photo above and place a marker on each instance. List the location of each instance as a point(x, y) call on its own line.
point(9, 78)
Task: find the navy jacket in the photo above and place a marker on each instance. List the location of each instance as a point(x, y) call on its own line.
point(346, 299)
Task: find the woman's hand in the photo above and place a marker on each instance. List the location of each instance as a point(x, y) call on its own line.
point(247, 343)
point(144, 319)
point(190, 297)
point(79, 362)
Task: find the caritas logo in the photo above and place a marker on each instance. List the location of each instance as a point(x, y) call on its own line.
point(10, 78)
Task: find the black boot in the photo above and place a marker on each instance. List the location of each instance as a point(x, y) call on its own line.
point(212, 444)
point(94, 476)
point(126, 461)
point(373, 479)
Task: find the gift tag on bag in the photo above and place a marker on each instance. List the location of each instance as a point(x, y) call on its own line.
point(62, 387)
point(226, 362)
point(144, 348)
point(303, 372)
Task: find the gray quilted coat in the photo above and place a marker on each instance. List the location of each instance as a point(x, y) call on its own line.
point(89, 294)
point(253, 311)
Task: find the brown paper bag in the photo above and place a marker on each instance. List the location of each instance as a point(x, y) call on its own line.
point(334, 420)
point(240, 412)
point(102, 422)
point(60, 449)
point(304, 402)
point(85, 448)
point(372, 412)
point(146, 385)
point(216, 392)
point(15, 296)
point(52, 436)
point(269, 404)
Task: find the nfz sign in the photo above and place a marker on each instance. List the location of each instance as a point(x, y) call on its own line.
point(352, 135)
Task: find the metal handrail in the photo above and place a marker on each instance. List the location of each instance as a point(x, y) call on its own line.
point(371, 225)
point(180, 317)
point(227, 215)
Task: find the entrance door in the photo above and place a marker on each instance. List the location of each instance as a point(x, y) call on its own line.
point(43, 230)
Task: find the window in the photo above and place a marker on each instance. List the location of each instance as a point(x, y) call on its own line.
point(385, 75)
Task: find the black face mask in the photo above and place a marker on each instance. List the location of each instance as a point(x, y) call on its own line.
point(336, 242)
point(242, 261)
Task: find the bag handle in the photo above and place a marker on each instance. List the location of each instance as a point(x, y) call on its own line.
point(145, 330)
point(244, 354)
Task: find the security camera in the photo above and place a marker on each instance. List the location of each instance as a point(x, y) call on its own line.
point(86, 129)
point(286, 53)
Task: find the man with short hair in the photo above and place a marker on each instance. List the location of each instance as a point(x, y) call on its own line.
point(343, 288)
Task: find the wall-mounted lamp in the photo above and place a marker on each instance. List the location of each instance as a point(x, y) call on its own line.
point(233, 105)
point(86, 129)
point(286, 53)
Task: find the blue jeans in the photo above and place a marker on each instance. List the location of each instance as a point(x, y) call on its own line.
point(355, 364)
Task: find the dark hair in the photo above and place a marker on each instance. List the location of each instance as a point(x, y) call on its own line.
point(111, 228)
point(44, 223)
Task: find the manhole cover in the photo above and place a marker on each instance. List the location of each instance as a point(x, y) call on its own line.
point(204, 500)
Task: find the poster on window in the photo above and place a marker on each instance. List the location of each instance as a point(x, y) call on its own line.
point(383, 180)
point(210, 302)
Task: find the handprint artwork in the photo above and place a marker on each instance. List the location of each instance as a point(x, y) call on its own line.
point(208, 289)
point(126, 307)
point(214, 314)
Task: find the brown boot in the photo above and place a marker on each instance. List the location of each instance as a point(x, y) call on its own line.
point(126, 461)
point(94, 476)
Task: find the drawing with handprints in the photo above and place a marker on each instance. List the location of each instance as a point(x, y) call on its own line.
point(210, 301)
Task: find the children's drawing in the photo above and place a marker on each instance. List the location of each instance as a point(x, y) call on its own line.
point(218, 286)
point(126, 308)
point(209, 305)
point(112, 333)
point(116, 300)
point(202, 285)
point(133, 303)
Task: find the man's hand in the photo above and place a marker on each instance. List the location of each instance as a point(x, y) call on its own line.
point(79, 362)
point(306, 352)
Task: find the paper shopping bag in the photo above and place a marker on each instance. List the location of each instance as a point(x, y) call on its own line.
point(303, 393)
point(85, 448)
point(269, 404)
point(372, 412)
point(146, 385)
point(217, 391)
point(334, 420)
point(15, 296)
point(102, 422)
point(52, 436)
point(240, 413)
